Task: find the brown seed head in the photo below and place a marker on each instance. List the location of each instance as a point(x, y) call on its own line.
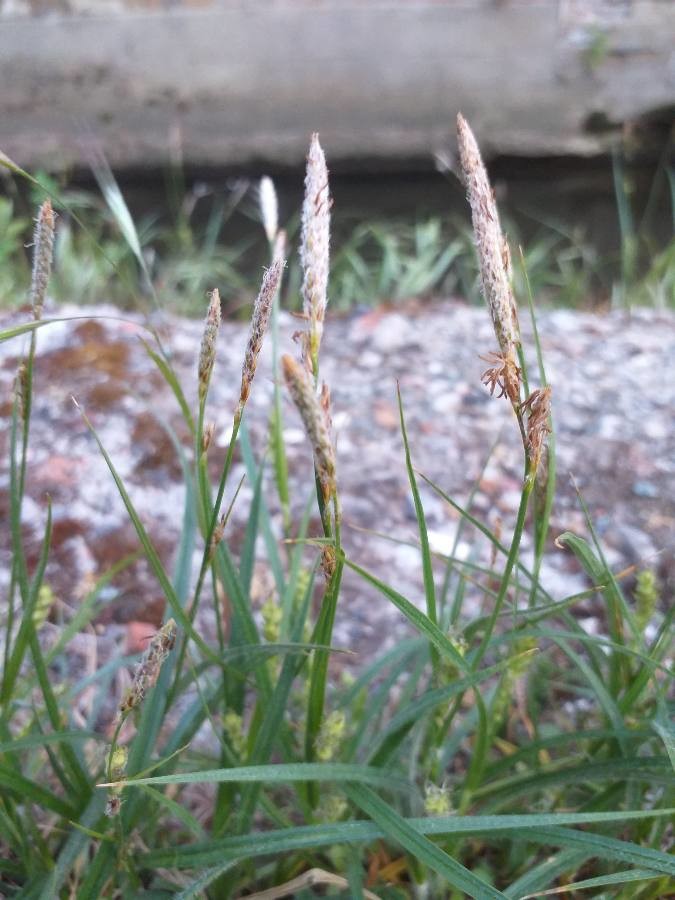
point(313, 418)
point(43, 255)
point(207, 436)
point(493, 254)
point(147, 671)
point(314, 247)
point(538, 407)
point(504, 374)
point(328, 561)
point(259, 320)
point(218, 534)
point(207, 352)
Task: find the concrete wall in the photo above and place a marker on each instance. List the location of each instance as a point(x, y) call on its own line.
point(242, 82)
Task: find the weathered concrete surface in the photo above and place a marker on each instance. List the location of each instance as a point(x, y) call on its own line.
point(235, 83)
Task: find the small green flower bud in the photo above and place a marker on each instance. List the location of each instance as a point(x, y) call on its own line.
point(437, 800)
point(233, 726)
point(271, 614)
point(330, 735)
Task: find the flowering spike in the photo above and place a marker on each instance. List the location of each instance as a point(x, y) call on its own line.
point(43, 255)
point(147, 671)
point(259, 320)
point(314, 250)
point(493, 253)
point(269, 207)
point(207, 352)
point(538, 407)
point(315, 421)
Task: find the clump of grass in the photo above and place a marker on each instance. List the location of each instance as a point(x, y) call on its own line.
point(504, 754)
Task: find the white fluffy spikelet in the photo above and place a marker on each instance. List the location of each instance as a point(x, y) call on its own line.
point(495, 263)
point(314, 253)
point(269, 207)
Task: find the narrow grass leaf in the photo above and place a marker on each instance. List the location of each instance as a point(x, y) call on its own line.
point(151, 553)
point(427, 568)
point(526, 826)
point(626, 877)
point(282, 773)
point(418, 619)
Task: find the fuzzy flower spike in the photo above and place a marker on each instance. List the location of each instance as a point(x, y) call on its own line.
point(495, 263)
point(269, 207)
point(259, 320)
point(147, 671)
point(314, 252)
point(207, 351)
point(42, 257)
point(315, 419)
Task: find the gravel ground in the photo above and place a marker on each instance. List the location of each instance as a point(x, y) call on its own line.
point(613, 406)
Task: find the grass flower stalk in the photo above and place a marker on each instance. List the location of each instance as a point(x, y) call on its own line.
point(212, 518)
point(314, 417)
point(207, 351)
point(493, 254)
point(314, 252)
point(43, 255)
point(145, 677)
point(261, 314)
point(269, 208)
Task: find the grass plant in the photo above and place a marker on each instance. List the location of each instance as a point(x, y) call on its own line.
point(502, 755)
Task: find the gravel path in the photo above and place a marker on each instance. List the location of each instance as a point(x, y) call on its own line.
point(613, 407)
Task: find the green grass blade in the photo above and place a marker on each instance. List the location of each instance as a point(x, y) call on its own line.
point(417, 618)
point(151, 554)
point(197, 887)
point(523, 827)
point(29, 790)
point(319, 673)
point(427, 569)
point(271, 545)
point(247, 557)
point(75, 845)
point(626, 877)
point(421, 848)
point(488, 534)
point(171, 379)
point(403, 720)
point(282, 773)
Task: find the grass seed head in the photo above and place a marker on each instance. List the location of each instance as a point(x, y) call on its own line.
point(314, 419)
point(538, 407)
point(331, 734)
point(207, 352)
point(147, 671)
point(43, 255)
point(207, 437)
point(261, 315)
point(269, 207)
point(314, 249)
point(493, 253)
point(437, 800)
point(233, 726)
point(647, 594)
point(271, 615)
